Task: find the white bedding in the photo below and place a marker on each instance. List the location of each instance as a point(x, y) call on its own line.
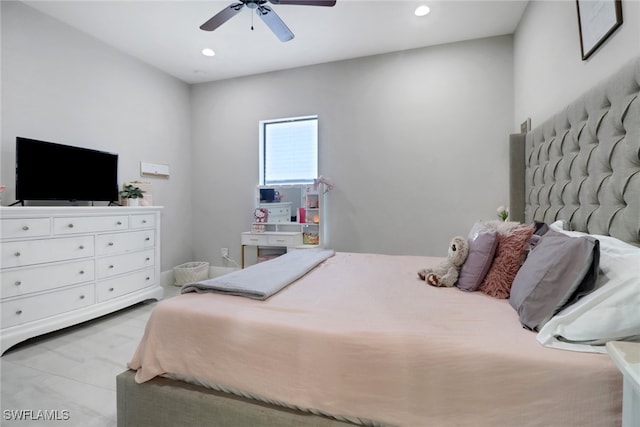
point(610, 313)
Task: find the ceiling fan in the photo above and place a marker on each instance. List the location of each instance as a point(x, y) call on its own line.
point(265, 12)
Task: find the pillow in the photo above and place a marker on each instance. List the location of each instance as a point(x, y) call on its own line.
point(609, 313)
point(540, 228)
point(611, 248)
point(482, 247)
point(513, 238)
point(559, 271)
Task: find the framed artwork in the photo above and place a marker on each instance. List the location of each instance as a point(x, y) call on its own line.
point(597, 20)
point(525, 126)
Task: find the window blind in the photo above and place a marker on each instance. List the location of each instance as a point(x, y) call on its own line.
point(290, 151)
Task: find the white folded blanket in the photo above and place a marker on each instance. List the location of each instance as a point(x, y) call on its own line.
point(264, 279)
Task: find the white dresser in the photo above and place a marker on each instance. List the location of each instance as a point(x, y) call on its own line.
point(64, 265)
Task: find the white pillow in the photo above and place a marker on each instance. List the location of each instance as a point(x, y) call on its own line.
point(611, 312)
point(610, 248)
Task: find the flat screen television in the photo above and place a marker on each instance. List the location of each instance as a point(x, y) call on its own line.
point(49, 171)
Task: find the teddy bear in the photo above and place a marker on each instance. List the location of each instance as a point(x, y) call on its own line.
point(446, 273)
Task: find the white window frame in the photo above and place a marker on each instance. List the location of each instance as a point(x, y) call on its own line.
point(262, 151)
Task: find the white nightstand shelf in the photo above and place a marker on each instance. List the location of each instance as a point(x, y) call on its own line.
point(626, 356)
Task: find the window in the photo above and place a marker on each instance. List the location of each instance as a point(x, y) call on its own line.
point(289, 150)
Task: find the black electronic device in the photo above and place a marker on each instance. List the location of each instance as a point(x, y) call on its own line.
point(267, 195)
point(50, 171)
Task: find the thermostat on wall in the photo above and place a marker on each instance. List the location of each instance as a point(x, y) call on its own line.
point(154, 169)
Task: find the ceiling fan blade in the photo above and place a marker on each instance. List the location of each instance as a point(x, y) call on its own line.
point(274, 22)
point(221, 17)
point(306, 2)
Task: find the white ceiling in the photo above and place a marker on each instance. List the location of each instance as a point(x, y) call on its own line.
point(166, 34)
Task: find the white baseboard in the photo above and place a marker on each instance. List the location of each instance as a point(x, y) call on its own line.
point(168, 279)
point(219, 271)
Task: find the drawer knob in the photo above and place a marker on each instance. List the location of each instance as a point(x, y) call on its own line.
point(25, 228)
point(119, 223)
point(111, 266)
point(81, 296)
point(110, 243)
point(148, 259)
point(81, 271)
point(18, 312)
point(70, 226)
point(147, 278)
point(147, 239)
point(81, 246)
point(144, 221)
point(17, 254)
point(110, 289)
point(18, 283)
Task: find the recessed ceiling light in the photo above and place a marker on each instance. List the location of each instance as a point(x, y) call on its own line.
point(208, 52)
point(422, 10)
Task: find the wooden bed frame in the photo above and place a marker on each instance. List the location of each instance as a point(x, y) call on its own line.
point(582, 165)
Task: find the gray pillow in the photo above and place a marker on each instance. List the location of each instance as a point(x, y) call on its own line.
point(482, 247)
point(557, 272)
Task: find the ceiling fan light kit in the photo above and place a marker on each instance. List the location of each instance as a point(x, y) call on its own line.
point(266, 13)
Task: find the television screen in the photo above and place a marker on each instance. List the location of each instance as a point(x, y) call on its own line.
point(48, 171)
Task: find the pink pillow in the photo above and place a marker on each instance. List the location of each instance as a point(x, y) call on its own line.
point(482, 247)
point(512, 244)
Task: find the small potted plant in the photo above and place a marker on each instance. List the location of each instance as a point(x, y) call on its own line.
point(503, 213)
point(132, 193)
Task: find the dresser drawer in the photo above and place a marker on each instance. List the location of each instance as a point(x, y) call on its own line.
point(113, 288)
point(119, 264)
point(28, 309)
point(27, 227)
point(90, 224)
point(279, 214)
point(254, 239)
point(293, 239)
point(142, 221)
point(22, 281)
point(278, 211)
point(28, 252)
point(107, 244)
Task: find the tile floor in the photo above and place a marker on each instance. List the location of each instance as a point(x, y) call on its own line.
point(72, 371)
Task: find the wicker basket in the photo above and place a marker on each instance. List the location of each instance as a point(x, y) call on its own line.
point(191, 272)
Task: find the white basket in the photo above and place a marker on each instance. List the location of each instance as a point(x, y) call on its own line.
point(191, 272)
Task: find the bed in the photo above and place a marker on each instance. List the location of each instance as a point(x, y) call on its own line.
point(360, 340)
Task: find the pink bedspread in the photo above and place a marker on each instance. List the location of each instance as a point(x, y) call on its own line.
point(361, 336)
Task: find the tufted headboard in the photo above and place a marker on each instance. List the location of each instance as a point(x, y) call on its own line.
point(583, 164)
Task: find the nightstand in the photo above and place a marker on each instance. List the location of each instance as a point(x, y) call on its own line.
point(626, 356)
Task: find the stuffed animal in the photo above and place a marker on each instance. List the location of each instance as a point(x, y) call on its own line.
point(446, 273)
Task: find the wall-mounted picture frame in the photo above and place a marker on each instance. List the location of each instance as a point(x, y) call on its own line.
point(597, 20)
point(525, 127)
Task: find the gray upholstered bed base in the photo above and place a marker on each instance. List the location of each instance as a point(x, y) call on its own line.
point(582, 165)
point(166, 402)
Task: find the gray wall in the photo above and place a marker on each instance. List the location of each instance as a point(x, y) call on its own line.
point(548, 67)
point(62, 86)
point(415, 142)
